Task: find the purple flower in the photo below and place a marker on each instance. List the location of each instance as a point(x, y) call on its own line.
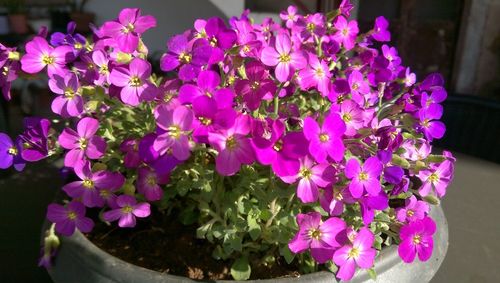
point(380, 32)
point(69, 103)
point(174, 125)
point(369, 204)
point(207, 85)
point(128, 209)
point(69, 217)
point(346, 32)
point(316, 75)
point(311, 26)
point(413, 210)
point(432, 129)
point(391, 54)
point(320, 237)
point(256, 87)
point(131, 149)
point(311, 177)
point(438, 95)
point(82, 143)
point(134, 81)
point(148, 183)
point(93, 185)
point(359, 87)
point(190, 57)
point(10, 153)
point(101, 61)
point(40, 54)
point(437, 177)
point(283, 58)
point(35, 139)
point(359, 253)
point(352, 115)
point(325, 141)
point(416, 239)
point(364, 178)
point(127, 29)
point(233, 146)
point(410, 78)
point(290, 16)
point(332, 200)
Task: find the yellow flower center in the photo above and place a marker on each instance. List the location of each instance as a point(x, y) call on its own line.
point(13, 151)
point(345, 32)
point(417, 239)
point(83, 143)
point(353, 253)
point(127, 209)
point(346, 117)
point(285, 58)
point(324, 137)
point(71, 215)
point(174, 131)
point(185, 57)
point(69, 93)
point(278, 146)
point(363, 176)
point(355, 86)
point(104, 70)
point(78, 46)
point(310, 27)
point(48, 60)
point(151, 180)
point(135, 81)
point(88, 184)
point(129, 28)
point(409, 213)
point(255, 85)
point(231, 143)
point(320, 73)
point(433, 178)
point(305, 173)
point(104, 194)
point(205, 121)
point(315, 233)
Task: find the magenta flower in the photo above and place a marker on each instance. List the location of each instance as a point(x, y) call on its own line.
point(174, 125)
point(83, 143)
point(364, 178)
point(130, 147)
point(409, 78)
point(316, 75)
point(437, 96)
point(416, 239)
point(233, 146)
point(127, 29)
point(431, 128)
point(311, 26)
point(380, 32)
point(101, 61)
point(39, 54)
point(311, 177)
point(68, 218)
point(148, 183)
point(359, 87)
point(283, 58)
point(35, 139)
point(346, 32)
point(369, 204)
point(94, 187)
point(359, 253)
point(327, 140)
point(10, 153)
point(69, 103)
point(352, 115)
point(290, 16)
point(128, 209)
point(134, 81)
point(413, 210)
point(258, 86)
point(207, 85)
point(437, 177)
point(320, 237)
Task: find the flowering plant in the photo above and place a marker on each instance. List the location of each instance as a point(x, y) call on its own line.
point(308, 141)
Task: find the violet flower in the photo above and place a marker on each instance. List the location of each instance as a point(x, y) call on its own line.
point(69, 103)
point(416, 239)
point(148, 183)
point(174, 125)
point(10, 153)
point(134, 81)
point(364, 178)
point(437, 177)
point(256, 87)
point(326, 140)
point(127, 29)
point(359, 253)
point(320, 237)
point(290, 16)
point(68, 218)
point(128, 209)
point(413, 210)
point(316, 75)
point(282, 56)
point(346, 32)
point(94, 187)
point(83, 143)
point(35, 139)
point(207, 84)
point(380, 32)
point(39, 54)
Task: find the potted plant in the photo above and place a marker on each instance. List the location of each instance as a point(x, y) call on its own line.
point(260, 151)
point(80, 17)
point(18, 19)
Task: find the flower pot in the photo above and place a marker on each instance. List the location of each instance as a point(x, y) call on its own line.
point(79, 260)
point(19, 23)
point(82, 21)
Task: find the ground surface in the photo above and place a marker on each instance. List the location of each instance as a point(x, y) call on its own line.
point(471, 206)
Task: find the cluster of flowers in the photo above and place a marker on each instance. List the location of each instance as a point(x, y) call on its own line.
point(314, 99)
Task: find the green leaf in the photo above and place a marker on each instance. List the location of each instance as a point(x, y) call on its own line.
point(253, 227)
point(331, 266)
point(241, 270)
point(435, 158)
point(372, 273)
point(287, 254)
point(400, 161)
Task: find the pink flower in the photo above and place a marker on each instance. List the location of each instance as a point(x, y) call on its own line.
point(127, 29)
point(416, 238)
point(326, 140)
point(69, 103)
point(83, 143)
point(283, 58)
point(359, 253)
point(346, 32)
point(437, 177)
point(316, 75)
point(290, 16)
point(173, 125)
point(134, 82)
point(414, 210)
point(128, 209)
point(365, 178)
point(320, 237)
point(39, 54)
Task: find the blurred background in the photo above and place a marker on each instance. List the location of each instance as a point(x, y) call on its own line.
point(458, 38)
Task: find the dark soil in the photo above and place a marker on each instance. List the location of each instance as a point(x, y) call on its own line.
point(163, 244)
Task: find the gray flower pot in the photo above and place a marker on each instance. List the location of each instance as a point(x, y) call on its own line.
point(79, 260)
